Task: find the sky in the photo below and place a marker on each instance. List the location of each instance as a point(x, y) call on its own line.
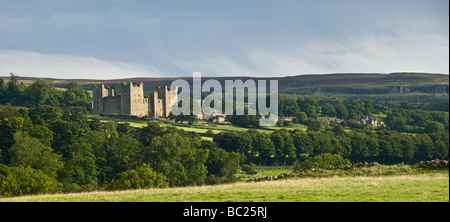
point(107, 39)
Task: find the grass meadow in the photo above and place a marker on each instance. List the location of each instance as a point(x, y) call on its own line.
point(376, 184)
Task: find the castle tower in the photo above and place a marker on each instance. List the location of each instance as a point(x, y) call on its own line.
point(98, 94)
point(167, 96)
point(132, 99)
point(161, 102)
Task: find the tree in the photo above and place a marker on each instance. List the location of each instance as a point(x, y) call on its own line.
point(318, 125)
point(32, 181)
point(362, 107)
point(328, 110)
point(232, 164)
point(284, 144)
point(8, 184)
point(215, 164)
point(37, 94)
point(14, 90)
point(9, 125)
point(45, 114)
point(2, 92)
point(302, 118)
point(245, 120)
point(124, 128)
point(30, 152)
point(75, 95)
point(360, 148)
point(263, 146)
point(233, 141)
point(64, 134)
point(434, 126)
point(338, 129)
point(80, 168)
point(100, 143)
point(20, 180)
point(142, 177)
point(341, 111)
point(309, 106)
point(122, 154)
point(303, 145)
point(288, 107)
point(179, 158)
point(146, 134)
point(77, 114)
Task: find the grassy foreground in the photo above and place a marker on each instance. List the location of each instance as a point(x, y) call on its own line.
point(398, 188)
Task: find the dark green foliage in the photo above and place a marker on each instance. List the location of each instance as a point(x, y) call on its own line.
point(30, 152)
point(323, 161)
point(179, 158)
point(249, 168)
point(234, 141)
point(417, 121)
point(287, 107)
point(309, 106)
point(42, 93)
point(341, 111)
point(215, 164)
point(140, 178)
point(45, 114)
point(329, 110)
point(318, 125)
point(232, 164)
point(18, 181)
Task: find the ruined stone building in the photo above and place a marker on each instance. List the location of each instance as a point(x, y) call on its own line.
point(161, 102)
point(128, 99)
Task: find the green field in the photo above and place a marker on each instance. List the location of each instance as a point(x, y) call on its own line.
point(294, 126)
point(199, 127)
point(416, 188)
point(376, 184)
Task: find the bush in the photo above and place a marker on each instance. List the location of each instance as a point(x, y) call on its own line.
point(8, 186)
point(215, 180)
point(140, 178)
point(323, 161)
point(17, 181)
point(249, 169)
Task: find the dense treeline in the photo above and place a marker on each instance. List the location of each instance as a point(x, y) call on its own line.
point(424, 101)
point(306, 109)
point(432, 102)
point(287, 147)
point(45, 150)
point(42, 93)
point(417, 121)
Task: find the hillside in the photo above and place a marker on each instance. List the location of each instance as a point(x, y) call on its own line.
point(357, 83)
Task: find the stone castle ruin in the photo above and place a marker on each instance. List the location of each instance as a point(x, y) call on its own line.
point(128, 99)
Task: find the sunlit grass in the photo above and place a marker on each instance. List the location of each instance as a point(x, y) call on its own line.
point(404, 188)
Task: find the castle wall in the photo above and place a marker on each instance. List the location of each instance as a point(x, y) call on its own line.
point(128, 98)
point(125, 100)
point(111, 105)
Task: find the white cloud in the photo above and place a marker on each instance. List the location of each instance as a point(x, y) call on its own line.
point(410, 51)
point(33, 64)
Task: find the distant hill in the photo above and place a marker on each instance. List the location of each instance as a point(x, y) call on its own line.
point(349, 83)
